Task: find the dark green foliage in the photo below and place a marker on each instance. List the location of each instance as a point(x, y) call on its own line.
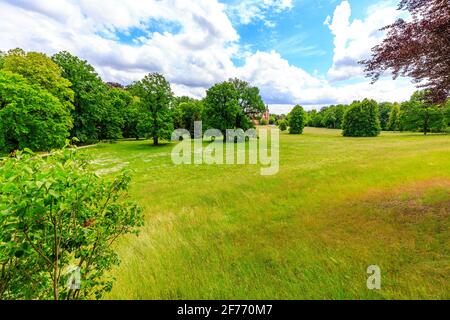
point(131, 118)
point(362, 120)
point(190, 113)
point(30, 117)
point(222, 107)
point(56, 213)
point(420, 116)
point(91, 100)
point(283, 125)
point(385, 109)
point(297, 120)
point(155, 98)
point(250, 102)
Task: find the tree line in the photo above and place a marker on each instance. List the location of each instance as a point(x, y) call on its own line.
point(46, 100)
point(417, 115)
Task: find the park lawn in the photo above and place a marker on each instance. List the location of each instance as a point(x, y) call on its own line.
point(336, 206)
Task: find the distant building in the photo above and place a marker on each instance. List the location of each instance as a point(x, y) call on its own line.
point(264, 116)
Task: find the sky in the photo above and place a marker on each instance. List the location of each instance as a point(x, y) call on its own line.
point(296, 51)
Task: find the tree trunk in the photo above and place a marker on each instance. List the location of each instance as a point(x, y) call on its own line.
point(155, 141)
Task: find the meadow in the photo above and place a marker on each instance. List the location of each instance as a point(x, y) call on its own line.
point(336, 206)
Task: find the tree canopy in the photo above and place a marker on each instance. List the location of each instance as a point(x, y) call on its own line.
point(362, 120)
point(39, 69)
point(419, 48)
point(30, 117)
point(297, 120)
point(156, 99)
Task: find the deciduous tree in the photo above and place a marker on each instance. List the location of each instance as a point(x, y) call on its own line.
point(419, 48)
point(156, 98)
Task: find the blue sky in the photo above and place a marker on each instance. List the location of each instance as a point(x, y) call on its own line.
point(296, 51)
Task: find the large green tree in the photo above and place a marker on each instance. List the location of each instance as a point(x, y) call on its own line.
point(92, 101)
point(222, 107)
point(30, 117)
point(39, 69)
point(362, 120)
point(418, 114)
point(250, 103)
point(156, 98)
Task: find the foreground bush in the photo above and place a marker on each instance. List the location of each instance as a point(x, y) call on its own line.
point(362, 120)
point(30, 117)
point(297, 120)
point(57, 217)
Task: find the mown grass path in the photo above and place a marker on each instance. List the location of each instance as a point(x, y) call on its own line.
point(337, 206)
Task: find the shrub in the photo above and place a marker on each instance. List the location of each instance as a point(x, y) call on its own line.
point(263, 122)
point(362, 120)
point(297, 119)
point(30, 117)
point(283, 125)
point(55, 213)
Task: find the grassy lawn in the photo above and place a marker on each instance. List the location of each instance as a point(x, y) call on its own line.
point(337, 206)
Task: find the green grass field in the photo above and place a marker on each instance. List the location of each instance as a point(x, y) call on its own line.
point(337, 206)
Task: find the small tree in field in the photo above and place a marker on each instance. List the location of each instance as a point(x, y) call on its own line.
point(283, 125)
point(297, 119)
point(362, 120)
point(57, 215)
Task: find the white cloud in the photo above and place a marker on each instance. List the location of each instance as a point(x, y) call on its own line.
point(248, 11)
point(196, 56)
point(193, 47)
point(353, 40)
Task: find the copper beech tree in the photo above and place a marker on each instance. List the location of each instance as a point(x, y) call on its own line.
point(418, 48)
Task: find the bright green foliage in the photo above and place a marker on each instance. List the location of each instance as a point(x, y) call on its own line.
point(30, 117)
point(362, 120)
point(91, 98)
point(384, 110)
point(283, 125)
point(315, 119)
point(222, 107)
point(56, 213)
point(333, 117)
point(156, 98)
point(394, 119)
point(263, 122)
point(419, 115)
point(39, 69)
point(297, 120)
